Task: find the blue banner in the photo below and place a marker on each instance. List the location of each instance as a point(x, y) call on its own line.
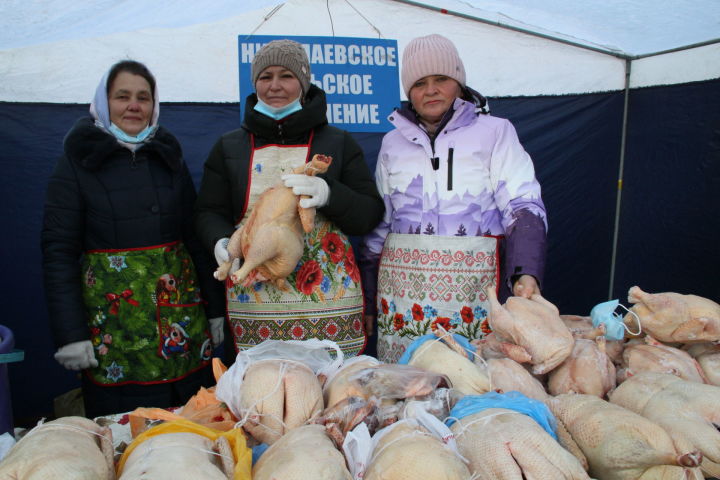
point(359, 76)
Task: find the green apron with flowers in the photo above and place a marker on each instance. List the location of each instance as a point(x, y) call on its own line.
point(145, 315)
point(324, 300)
point(430, 280)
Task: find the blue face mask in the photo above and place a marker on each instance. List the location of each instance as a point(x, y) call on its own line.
point(604, 313)
point(124, 137)
point(278, 113)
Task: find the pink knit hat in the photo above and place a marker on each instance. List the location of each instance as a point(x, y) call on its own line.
point(430, 55)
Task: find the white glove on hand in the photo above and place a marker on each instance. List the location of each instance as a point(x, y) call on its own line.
point(315, 187)
point(221, 252)
point(216, 330)
point(77, 355)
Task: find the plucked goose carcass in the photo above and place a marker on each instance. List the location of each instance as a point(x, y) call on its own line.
point(302, 454)
point(69, 448)
point(673, 317)
point(503, 444)
point(587, 370)
point(618, 443)
point(272, 241)
point(533, 324)
point(689, 411)
point(179, 456)
point(277, 396)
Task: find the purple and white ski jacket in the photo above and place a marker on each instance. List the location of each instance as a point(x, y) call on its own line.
point(474, 179)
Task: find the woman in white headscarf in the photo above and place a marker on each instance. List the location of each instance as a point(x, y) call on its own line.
point(122, 265)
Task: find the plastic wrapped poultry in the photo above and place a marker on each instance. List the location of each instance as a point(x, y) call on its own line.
point(277, 396)
point(184, 450)
point(69, 448)
point(444, 355)
point(302, 454)
point(408, 451)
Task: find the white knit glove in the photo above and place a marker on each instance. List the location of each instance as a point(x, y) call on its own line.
point(221, 252)
point(77, 355)
point(216, 330)
point(315, 187)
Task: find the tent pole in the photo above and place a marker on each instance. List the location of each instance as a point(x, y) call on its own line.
point(623, 138)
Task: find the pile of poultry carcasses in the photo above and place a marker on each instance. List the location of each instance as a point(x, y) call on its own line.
point(639, 408)
point(545, 396)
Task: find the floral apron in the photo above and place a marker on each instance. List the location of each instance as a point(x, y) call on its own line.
point(324, 300)
point(430, 280)
point(145, 315)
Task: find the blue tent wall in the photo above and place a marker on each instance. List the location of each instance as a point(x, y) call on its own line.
point(670, 215)
point(574, 141)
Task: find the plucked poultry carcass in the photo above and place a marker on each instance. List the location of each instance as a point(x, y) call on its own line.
point(302, 454)
point(689, 411)
point(582, 327)
point(446, 357)
point(673, 317)
point(506, 375)
point(653, 356)
point(587, 370)
point(410, 452)
point(533, 324)
point(272, 241)
point(339, 387)
point(620, 444)
point(179, 456)
point(708, 356)
point(503, 444)
point(277, 396)
point(69, 448)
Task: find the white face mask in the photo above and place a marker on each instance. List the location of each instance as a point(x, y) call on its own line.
point(278, 113)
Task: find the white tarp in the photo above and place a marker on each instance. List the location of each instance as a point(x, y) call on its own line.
point(55, 51)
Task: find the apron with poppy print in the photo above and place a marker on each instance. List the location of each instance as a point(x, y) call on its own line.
point(430, 280)
point(324, 299)
point(146, 319)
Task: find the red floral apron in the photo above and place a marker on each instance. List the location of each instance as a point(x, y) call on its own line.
point(325, 297)
point(430, 280)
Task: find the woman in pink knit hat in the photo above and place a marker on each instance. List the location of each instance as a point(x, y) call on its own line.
point(463, 208)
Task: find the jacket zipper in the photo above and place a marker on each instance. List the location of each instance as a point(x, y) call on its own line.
point(451, 150)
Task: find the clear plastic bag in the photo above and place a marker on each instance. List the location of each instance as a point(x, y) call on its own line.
point(397, 381)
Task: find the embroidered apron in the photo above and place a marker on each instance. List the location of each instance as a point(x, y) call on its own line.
point(430, 280)
point(324, 300)
point(145, 315)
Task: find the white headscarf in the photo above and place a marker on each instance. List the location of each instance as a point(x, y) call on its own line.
point(100, 110)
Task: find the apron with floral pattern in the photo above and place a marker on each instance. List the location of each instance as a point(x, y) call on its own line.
point(324, 299)
point(145, 313)
point(430, 280)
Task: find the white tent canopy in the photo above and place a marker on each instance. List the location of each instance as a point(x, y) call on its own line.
point(54, 51)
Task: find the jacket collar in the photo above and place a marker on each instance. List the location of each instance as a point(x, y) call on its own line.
point(89, 146)
point(293, 128)
point(461, 113)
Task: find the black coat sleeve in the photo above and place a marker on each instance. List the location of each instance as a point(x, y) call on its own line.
point(213, 208)
point(355, 205)
point(212, 290)
point(62, 246)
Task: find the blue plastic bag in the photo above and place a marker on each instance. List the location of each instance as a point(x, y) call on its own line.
point(538, 411)
point(464, 342)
